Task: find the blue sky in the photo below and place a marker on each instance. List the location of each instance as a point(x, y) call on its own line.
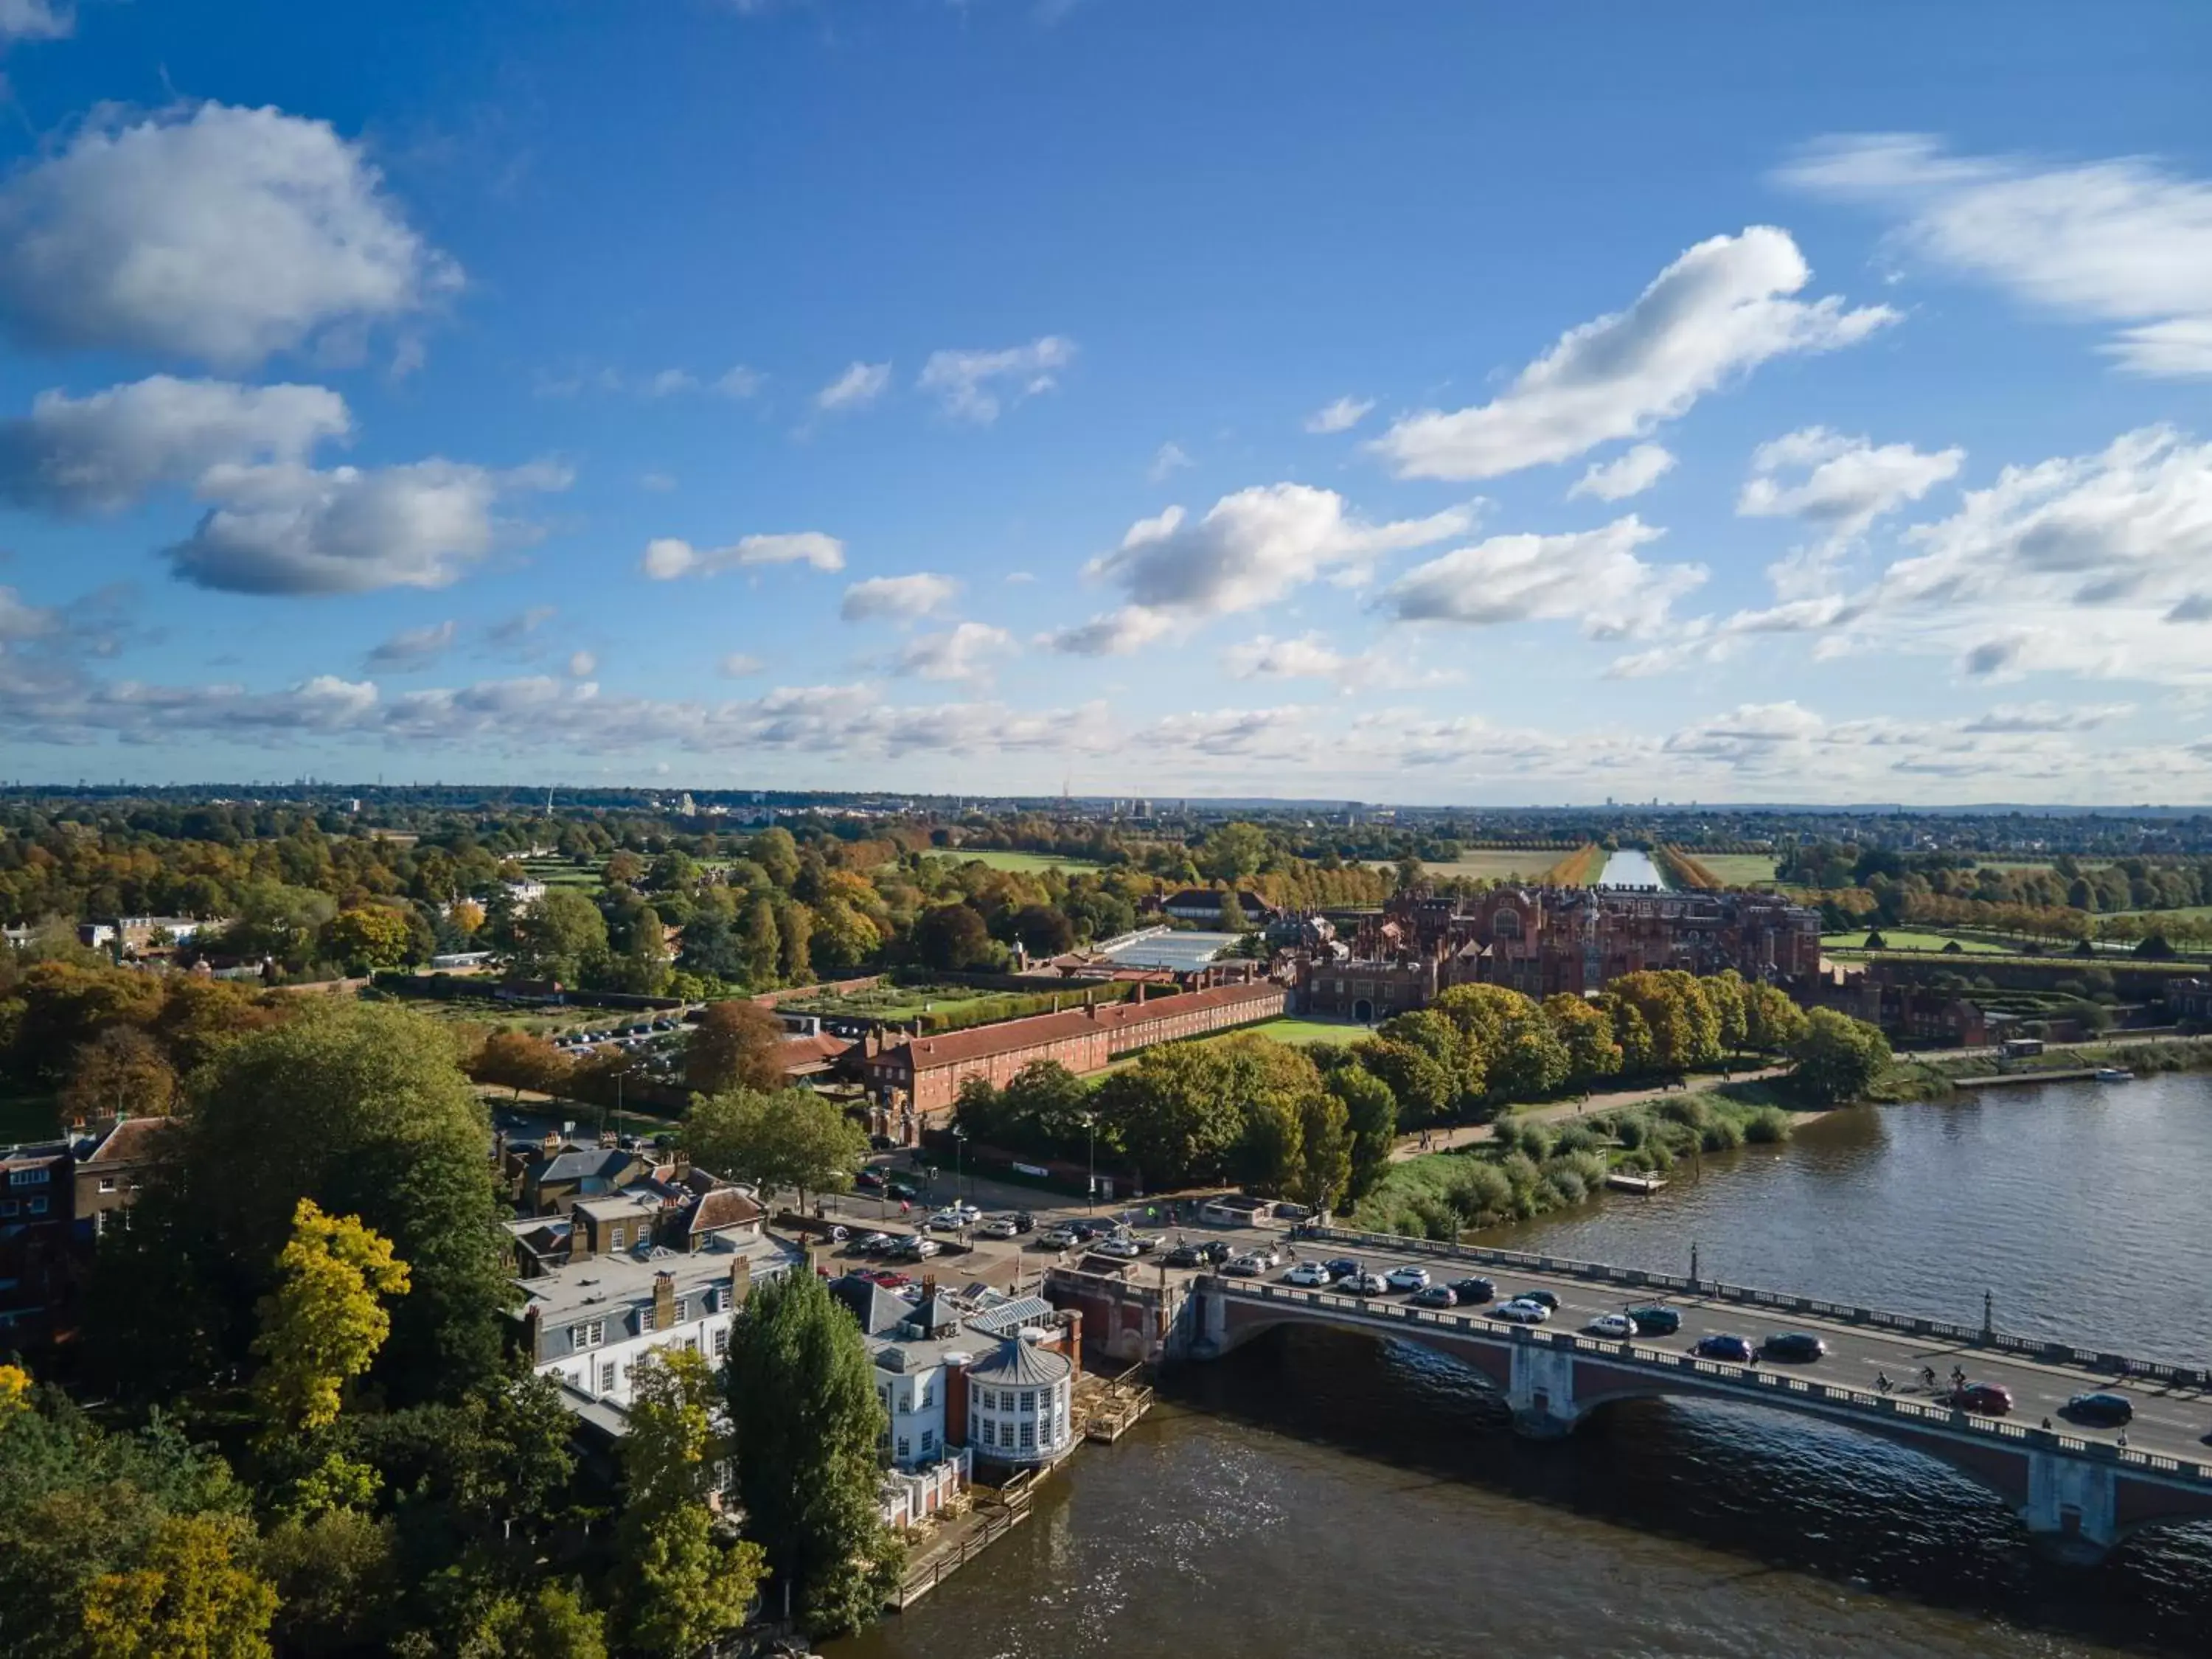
point(1472, 403)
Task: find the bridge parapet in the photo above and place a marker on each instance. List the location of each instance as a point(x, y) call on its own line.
point(2044, 1351)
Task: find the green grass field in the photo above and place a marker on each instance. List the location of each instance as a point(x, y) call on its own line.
point(559, 872)
point(1737, 869)
point(1491, 863)
point(1299, 1032)
point(1028, 864)
point(1901, 938)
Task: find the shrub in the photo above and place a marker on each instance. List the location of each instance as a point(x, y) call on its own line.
point(1566, 1185)
point(1480, 1193)
point(1575, 1138)
point(1631, 1130)
point(1687, 1109)
point(1723, 1134)
point(1766, 1127)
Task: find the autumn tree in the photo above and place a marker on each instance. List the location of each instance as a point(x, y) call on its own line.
point(196, 1595)
point(367, 938)
point(325, 1322)
point(1372, 1115)
point(1837, 1057)
point(686, 1576)
point(1586, 1032)
point(794, 1138)
point(561, 937)
point(735, 1044)
point(122, 1071)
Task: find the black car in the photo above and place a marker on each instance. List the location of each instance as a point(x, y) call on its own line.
point(2099, 1410)
point(1473, 1292)
point(1341, 1266)
point(1186, 1256)
point(1216, 1250)
point(1732, 1349)
point(1542, 1298)
point(1084, 1231)
point(1024, 1221)
point(900, 1189)
point(1656, 1321)
point(1794, 1347)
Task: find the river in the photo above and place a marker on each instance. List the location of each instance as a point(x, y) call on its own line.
point(1323, 1494)
point(1629, 868)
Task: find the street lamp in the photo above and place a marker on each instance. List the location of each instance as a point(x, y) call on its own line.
point(1090, 1175)
point(959, 1146)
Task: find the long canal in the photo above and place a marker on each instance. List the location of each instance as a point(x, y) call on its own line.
point(1326, 1494)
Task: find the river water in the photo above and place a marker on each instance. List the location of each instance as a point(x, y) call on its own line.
point(1629, 868)
point(1324, 1494)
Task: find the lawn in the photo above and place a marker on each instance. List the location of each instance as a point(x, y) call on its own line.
point(559, 872)
point(892, 1002)
point(1492, 863)
point(1028, 864)
point(1901, 938)
point(1737, 869)
point(1299, 1032)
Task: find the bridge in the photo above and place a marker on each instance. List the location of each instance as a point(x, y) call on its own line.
point(2078, 1492)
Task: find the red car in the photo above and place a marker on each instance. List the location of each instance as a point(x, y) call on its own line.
point(889, 1281)
point(1984, 1398)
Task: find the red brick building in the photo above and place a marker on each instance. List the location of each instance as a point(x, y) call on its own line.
point(920, 1077)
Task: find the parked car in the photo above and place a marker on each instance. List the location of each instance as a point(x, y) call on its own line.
point(1617, 1327)
point(888, 1280)
point(919, 1248)
point(1793, 1348)
point(1243, 1267)
point(1407, 1278)
point(1983, 1399)
point(869, 1180)
point(1023, 1221)
point(1184, 1255)
point(881, 1143)
point(1216, 1250)
point(946, 1221)
point(1518, 1312)
point(1084, 1231)
point(1000, 1226)
point(1124, 1248)
point(1339, 1267)
point(1434, 1296)
point(1364, 1284)
point(1473, 1292)
point(1733, 1349)
point(1542, 1298)
point(902, 1190)
point(2099, 1409)
point(1057, 1238)
point(1269, 1254)
point(1311, 1274)
point(1656, 1321)
point(874, 1243)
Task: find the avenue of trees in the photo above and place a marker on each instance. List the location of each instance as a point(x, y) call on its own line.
point(313, 1437)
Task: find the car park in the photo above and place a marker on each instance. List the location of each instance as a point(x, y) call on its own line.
point(888, 1280)
point(1617, 1327)
point(1793, 1348)
point(1215, 1250)
point(1084, 1231)
point(1146, 1242)
point(1733, 1349)
point(1518, 1312)
point(1542, 1298)
point(901, 1190)
point(869, 1180)
point(1023, 1221)
point(1434, 1296)
point(1656, 1320)
point(1983, 1399)
point(1473, 1292)
point(1363, 1285)
point(946, 1221)
point(2100, 1408)
point(1407, 1278)
point(1311, 1274)
point(873, 1244)
point(919, 1248)
point(1184, 1255)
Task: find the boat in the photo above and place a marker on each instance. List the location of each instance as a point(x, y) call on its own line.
point(2115, 1074)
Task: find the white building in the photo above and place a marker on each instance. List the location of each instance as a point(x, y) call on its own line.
point(1018, 1401)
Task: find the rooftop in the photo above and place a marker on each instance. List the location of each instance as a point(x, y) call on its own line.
point(1125, 1019)
point(1024, 1364)
point(614, 1281)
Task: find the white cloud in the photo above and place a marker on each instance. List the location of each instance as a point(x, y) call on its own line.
point(669, 381)
point(413, 648)
point(1116, 634)
point(34, 19)
point(741, 382)
point(1719, 311)
point(518, 628)
point(1847, 483)
point(1592, 577)
point(582, 665)
point(2123, 241)
point(860, 385)
point(1170, 460)
point(2025, 717)
point(105, 450)
point(1253, 546)
point(1309, 657)
point(901, 598)
point(1342, 415)
point(289, 529)
point(1630, 473)
point(21, 621)
point(970, 385)
point(208, 232)
point(971, 651)
point(667, 557)
point(740, 666)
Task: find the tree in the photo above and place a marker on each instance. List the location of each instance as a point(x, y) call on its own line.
point(1234, 854)
point(1771, 1021)
point(562, 937)
point(519, 1060)
point(624, 868)
point(645, 965)
point(953, 938)
point(1424, 1089)
point(1685, 1028)
point(1043, 930)
point(1232, 914)
point(777, 852)
point(1371, 1114)
point(794, 1138)
point(1586, 1030)
point(1324, 1170)
point(760, 942)
point(120, 1072)
point(737, 1044)
point(367, 938)
point(325, 1321)
point(794, 931)
point(805, 1423)
point(1837, 1057)
point(196, 1595)
point(686, 1577)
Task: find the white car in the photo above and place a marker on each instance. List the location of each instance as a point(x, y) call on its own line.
point(1057, 1238)
point(1307, 1272)
point(1363, 1284)
point(999, 1227)
point(1127, 1248)
point(1618, 1327)
point(919, 1248)
point(1408, 1277)
point(946, 1221)
point(1521, 1313)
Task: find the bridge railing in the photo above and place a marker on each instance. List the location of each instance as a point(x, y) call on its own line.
point(1747, 1380)
point(2047, 1351)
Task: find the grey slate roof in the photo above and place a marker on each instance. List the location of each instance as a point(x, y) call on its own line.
point(1022, 1365)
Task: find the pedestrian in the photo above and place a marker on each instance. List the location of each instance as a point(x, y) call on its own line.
point(2124, 1439)
point(2046, 1425)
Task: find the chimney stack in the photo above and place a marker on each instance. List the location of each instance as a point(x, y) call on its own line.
point(663, 1301)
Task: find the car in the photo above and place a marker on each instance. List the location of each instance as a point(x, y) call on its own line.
point(869, 1180)
point(1023, 1221)
point(1310, 1274)
point(1473, 1292)
point(1184, 1256)
point(872, 1243)
point(1146, 1242)
point(1736, 1350)
point(1618, 1327)
point(918, 1247)
point(946, 1221)
point(1542, 1298)
point(2099, 1409)
point(902, 1190)
point(1124, 1248)
point(1983, 1399)
point(1363, 1285)
point(1000, 1226)
point(1244, 1266)
point(1407, 1278)
point(1434, 1296)
point(1216, 1250)
point(1340, 1266)
point(1656, 1321)
point(1269, 1254)
point(1058, 1238)
point(1518, 1312)
point(888, 1280)
point(1084, 1231)
point(881, 1143)
point(1793, 1348)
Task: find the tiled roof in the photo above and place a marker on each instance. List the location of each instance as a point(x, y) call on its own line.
point(1024, 1364)
point(131, 1141)
point(1126, 1019)
point(726, 1206)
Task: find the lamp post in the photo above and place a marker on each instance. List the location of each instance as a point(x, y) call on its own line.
point(1091, 1176)
point(959, 1146)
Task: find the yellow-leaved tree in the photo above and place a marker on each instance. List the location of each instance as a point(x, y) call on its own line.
point(325, 1321)
point(15, 1391)
point(196, 1593)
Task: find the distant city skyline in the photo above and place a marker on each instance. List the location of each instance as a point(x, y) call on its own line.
point(1442, 406)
